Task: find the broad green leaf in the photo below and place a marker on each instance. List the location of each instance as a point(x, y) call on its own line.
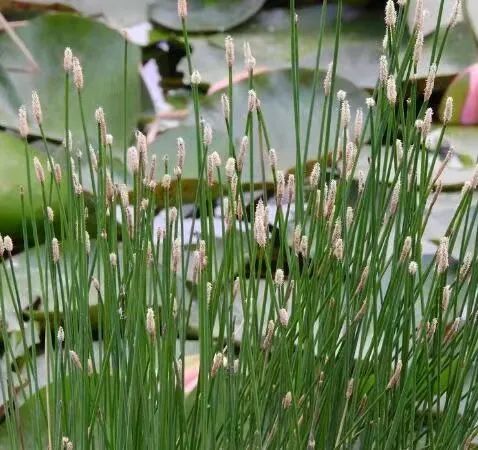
point(13, 176)
point(205, 16)
point(100, 50)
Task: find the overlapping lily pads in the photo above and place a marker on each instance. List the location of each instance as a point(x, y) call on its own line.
point(100, 50)
point(205, 16)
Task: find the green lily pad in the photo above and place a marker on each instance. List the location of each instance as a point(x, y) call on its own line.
point(13, 175)
point(274, 89)
point(205, 16)
point(100, 50)
point(431, 17)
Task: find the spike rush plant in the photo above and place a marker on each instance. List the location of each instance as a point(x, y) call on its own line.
point(321, 322)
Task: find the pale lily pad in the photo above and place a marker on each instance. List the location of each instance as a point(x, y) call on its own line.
point(205, 16)
point(431, 15)
point(359, 52)
point(470, 8)
point(460, 51)
point(100, 50)
point(118, 13)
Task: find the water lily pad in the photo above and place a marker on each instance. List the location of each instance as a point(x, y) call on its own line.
point(118, 13)
point(205, 16)
point(100, 50)
point(470, 9)
point(274, 89)
point(431, 17)
point(13, 175)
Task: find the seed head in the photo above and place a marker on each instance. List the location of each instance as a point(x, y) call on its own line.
point(207, 134)
point(345, 114)
point(418, 21)
point(68, 60)
point(249, 60)
point(182, 9)
point(226, 107)
point(304, 246)
point(395, 198)
point(350, 389)
point(427, 122)
point(358, 125)
point(418, 49)
point(279, 277)
point(412, 268)
point(109, 139)
point(75, 359)
point(287, 400)
point(36, 108)
point(77, 74)
point(280, 187)
point(454, 14)
point(55, 250)
point(8, 244)
point(22, 122)
point(242, 153)
point(430, 83)
point(328, 79)
point(339, 249)
point(230, 168)
point(395, 379)
point(442, 255)
point(260, 224)
point(341, 96)
point(87, 243)
point(195, 78)
point(113, 260)
point(166, 182)
point(150, 323)
point(370, 102)
point(283, 317)
point(407, 246)
point(445, 299)
point(349, 216)
point(291, 188)
point(465, 267)
point(39, 172)
point(217, 362)
point(60, 335)
point(448, 112)
point(229, 44)
point(390, 14)
point(383, 70)
point(133, 160)
point(363, 280)
point(350, 156)
point(391, 90)
point(273, 158)
point(142, 146)
point(176, 255)
point(252, 101)
point(315, 175)
point(50, 214)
